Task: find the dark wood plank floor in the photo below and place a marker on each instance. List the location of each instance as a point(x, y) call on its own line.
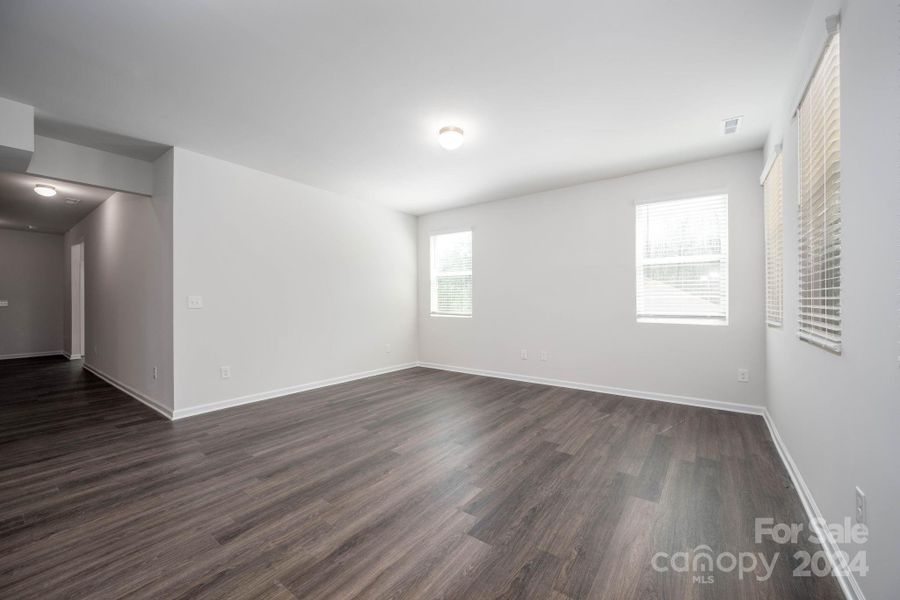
point(417, 484)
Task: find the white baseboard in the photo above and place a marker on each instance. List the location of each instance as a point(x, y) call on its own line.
point(848, 582)
point(163, 410)
point(181, 413)
point(32, 354)
point(615, 391)
point(72, 356)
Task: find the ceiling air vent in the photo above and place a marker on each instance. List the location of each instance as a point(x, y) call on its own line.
point(72, 200)
point(731, 125)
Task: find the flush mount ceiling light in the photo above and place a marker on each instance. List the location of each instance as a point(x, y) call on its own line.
point(44, 190)
point(450, 137)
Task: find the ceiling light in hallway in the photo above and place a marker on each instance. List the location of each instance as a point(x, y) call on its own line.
point(45, 190)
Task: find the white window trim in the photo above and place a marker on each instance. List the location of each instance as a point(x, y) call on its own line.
point(711, 321)
point(687, 319)
point(431, 272)
point(700, 193)
point(803, 318)
point(776, 160)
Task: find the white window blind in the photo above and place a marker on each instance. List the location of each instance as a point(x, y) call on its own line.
point(819, 117)
point(773, 191)
point(682, 260)
point(451, 273)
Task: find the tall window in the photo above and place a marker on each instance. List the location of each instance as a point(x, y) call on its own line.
point(682, 261)
point(773, 192)
point(819, 115)
point(451, 274)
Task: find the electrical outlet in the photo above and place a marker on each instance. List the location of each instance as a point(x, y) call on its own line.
point(225, 372)
point(523, 354)
point(861, 514)
point(195, 302)
point(387, 348)
point(743, 375)
point(6, 303)
point(155, 372)
point(545, 355)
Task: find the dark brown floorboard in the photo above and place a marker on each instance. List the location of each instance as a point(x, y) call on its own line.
point(416, 484)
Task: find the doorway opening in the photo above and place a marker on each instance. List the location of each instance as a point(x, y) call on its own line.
point(77, 291)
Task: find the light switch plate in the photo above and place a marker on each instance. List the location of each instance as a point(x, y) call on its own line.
point(195, 301)
point(862, 513)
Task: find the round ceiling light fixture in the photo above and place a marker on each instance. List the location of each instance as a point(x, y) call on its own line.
point(44, 190)
point(450, 137)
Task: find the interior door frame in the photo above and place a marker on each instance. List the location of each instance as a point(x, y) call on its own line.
point(77, 345)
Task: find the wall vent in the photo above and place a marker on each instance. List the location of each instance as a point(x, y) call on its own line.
point(731, 125)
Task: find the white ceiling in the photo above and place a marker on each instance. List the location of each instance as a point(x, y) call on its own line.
point(21, 207)
point(348, 96)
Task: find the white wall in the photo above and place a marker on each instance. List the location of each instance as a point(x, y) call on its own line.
point(299, 285)
point(31, 280)
point(556, 271)
point(16, 135)
point(839, 415)
point(71, 162)
point(128, 288)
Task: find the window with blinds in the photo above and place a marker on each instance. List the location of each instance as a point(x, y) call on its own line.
point(819, 117)
point(451, 274)
point(773, 191)
point(682, 261)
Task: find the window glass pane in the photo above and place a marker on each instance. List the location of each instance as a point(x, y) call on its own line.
point(682, 260)
point(451, 273)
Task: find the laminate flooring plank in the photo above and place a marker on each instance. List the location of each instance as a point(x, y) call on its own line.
point(418, 484)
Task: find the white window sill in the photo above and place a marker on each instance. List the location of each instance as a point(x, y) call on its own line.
point(451, 316)
point(682, 321)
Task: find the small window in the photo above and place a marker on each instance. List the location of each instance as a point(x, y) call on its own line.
point(773, 192)
point(451, 274)
point(682, 261)
point(819, 118)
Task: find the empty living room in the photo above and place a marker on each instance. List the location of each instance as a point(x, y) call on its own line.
point(595, 299)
